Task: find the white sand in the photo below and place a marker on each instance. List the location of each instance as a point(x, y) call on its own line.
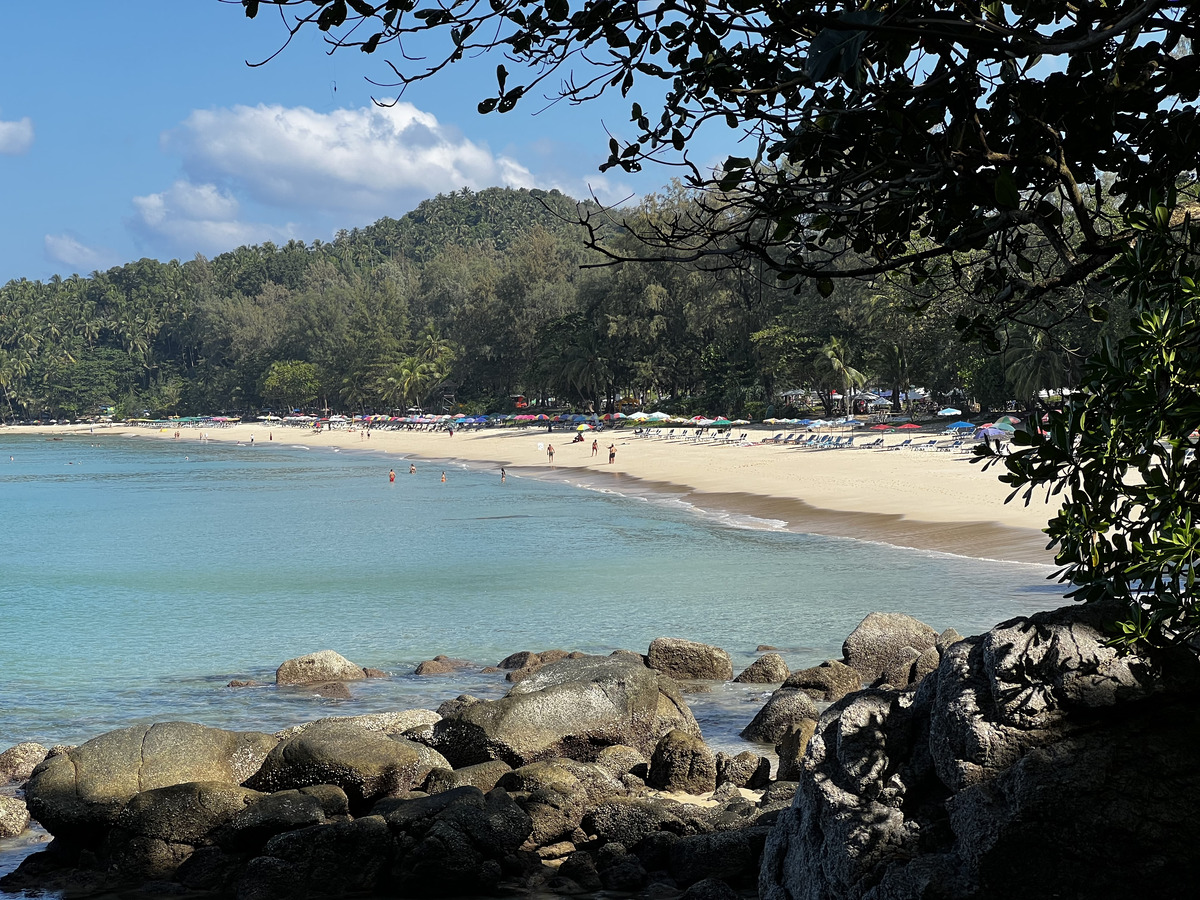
point(921, 499)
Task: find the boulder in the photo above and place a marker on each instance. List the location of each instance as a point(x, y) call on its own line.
point(731, 856)
point(389, 723)
point(14, 817)
point(678, 658)
point(572, 708)
point(791, 749)
point(458, 704)
point(629, 820)
point(709, 889)
point(18, 762)
point(1034, 761)
point(620, 870)
point(767, 669)
point(481, 775)
point(683, 762)
point(555, 793)
point(885, 645)
point(365, 764)
point(440, 665)
point(331, 860)
point(77, 794)
point(271, 814)
point(519, 660)
point(831, 680)
point(318, 668)
point(785, 708)
point(746, 770)
point(622, 760)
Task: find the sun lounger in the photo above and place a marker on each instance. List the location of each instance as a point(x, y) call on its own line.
point(903, 445)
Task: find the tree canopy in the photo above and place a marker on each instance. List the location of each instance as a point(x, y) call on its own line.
point(998, 144)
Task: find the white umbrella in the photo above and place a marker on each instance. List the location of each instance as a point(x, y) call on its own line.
point(949, 411)
point(639, 416)
point(658, 416)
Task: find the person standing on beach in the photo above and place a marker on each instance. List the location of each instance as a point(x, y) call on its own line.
point(595, 447)
point(612, 453)
point(391, 476)
point(251, 440)
point(550, 453)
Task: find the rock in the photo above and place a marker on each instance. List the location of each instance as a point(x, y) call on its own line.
point(709, 889)
point(518, 660)
point(580, 869)
point(365, 764)
point(338, 858)
point(481, 775)
point(572, 708)
point(683, 762)
point(768, 669)
point(830, 681)
point(725, 792)
point(622, 760)
point(239, 683)
point(927, 661)
point(454, 842)
point(778, 792)
point(556, 851)
point(186, 813)
point(628, 821)
point(555, 793)
point(389, 723)
point(882, 644)
point(678, 658)
point(79, 793)
point(457, 705)
point(440, 665)
point(318, 668)
point(14, 817)
point(785, 708)
point(791, 749)
point(271, 814)
point(762, 647)
point(268, 878)
point(18, 762)
point(619, 870)
point(947, 639)
point(210, 869)
point(731, 856)
point(1035, 761)
point(375, 673)
point(746, 770)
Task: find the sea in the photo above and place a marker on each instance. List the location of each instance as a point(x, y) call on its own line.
point(138, 577)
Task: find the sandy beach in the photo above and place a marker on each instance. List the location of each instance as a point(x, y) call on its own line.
point(920, 499)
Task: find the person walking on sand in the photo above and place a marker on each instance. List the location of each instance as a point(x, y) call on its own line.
point(612, 453)
point(550, 453)
point(392, 476)
point(595, 447)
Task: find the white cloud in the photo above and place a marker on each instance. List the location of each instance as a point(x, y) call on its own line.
point(16, 137)
point(70, 251)
point(200, 217)
point(371, 161)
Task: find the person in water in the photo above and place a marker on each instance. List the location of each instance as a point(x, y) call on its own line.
point(392, 475)
point(412, 468)
point(502, 476)
point(443, 478)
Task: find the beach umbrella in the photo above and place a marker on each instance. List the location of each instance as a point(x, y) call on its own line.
point(883, 426)
point(949, 411)
point(1008, 420)
point(740, 422)
point(658, 416)
point(1004, 426)
point(541, 417)
point(991, 431)
point(721, 421)
point(584, 427)
point(639, 416)
point(909, 425)
point(960, 424)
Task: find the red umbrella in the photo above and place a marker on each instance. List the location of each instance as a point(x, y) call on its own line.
point(882, 427)
point(910, 425)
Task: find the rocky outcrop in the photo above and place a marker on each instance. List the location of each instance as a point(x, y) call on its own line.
point(80, 793)
point(390, 723)
point(678, 658)
point(365, 764)
point(884, 647)
point(440, 665)
point(1033, 761)
point(785, 708)
point(792, 747)
point(746, 770)
point(14, 817)
point(318, 668)
point(831, 680)
point(572, 708)
point(18, 762)
point(767, 669)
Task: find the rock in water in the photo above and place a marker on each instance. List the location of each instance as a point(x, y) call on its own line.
point(14, 817)
point(785, 708)
point(1034, 762)
point(17, 763)
point(572, 708)
point(767, 669)
point(885, 646)
point(831, 680)
point(79, 793)
point(687, 659)
point(318, 668)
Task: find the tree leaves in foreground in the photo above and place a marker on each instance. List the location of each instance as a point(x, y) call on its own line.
point(1122, 451)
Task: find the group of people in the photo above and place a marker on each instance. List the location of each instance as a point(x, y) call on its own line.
point(612, 449)
point(412, 470)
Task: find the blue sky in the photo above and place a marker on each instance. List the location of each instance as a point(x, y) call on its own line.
point(135, 128)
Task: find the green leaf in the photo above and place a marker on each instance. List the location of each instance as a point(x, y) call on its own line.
point(835, 51)
point(1007, 196)
point(825, 286)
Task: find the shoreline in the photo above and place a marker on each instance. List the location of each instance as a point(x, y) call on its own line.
point(920, 500)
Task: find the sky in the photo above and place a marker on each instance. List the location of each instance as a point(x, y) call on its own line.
point(136, 129)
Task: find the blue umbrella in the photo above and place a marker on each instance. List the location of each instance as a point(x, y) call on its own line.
point(960, 424)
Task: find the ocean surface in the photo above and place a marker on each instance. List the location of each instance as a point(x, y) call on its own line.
point(139, 576)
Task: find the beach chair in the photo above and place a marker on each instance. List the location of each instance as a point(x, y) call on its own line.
point(870, 445)
point(773, 440)
point(903, 445)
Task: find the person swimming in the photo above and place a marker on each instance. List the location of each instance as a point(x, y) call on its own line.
point(392, 476)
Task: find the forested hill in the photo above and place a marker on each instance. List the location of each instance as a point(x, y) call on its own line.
point(462, 303)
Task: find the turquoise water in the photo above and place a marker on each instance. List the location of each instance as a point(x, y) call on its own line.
point(140, 576)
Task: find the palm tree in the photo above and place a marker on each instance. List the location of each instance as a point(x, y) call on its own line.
point(837, 355)
point(1036, 362)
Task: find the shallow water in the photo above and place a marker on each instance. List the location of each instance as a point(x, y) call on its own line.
point(140, 576)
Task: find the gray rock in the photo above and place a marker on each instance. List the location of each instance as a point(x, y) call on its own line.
point(318, 668)
point(518, 660)
point(337, 858)
point(619, 869)
point(767, 669)
point(678, 658)
point(268, 878)
point(458, 704)
point(1035, 761)
point(440, 665)
point(271, 814)
point(77, 794)
point(709, 889)
point(628, 821)
point(785, 708)
point(791, 749)
point(188, 813)
point(622, 760)
point(746, 770)
point(14, 817)
point(389, 723)
point(580, 869)
point(555, 794)
point(731, 856)
point(831, 680)
point(683, 762)
point(365, 764)
point(481, 775)
point(882, 644)
point(18, 762)
point(572, 708)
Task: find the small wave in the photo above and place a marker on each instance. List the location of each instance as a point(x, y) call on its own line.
point(300, 447)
